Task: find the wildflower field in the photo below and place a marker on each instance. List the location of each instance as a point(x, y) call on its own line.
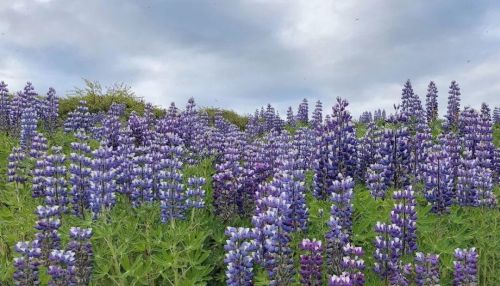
point(104, 189)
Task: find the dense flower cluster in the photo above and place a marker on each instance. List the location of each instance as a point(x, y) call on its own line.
point(453, 112)
point(427, 269)
point(431, 103)
point(311, 262)
point(465, 267)
point(404, 215)
point(439, 180)
point(240, 257)
point(81, 246)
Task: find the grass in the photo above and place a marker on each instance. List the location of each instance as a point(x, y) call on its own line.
point(132, 247)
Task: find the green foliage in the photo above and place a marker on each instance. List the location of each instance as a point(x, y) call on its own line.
point(231, 116)
point(99, 99)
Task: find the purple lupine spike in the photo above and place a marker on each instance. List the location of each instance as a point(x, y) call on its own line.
point(496, 115)
point(290, 118)
point(5, 103)
point(81, 246)
point(78, 119)
point(466, 192)
point(303, 112)
point(485, 111)
point(28, 97)
point(38, 181)
point(465, 267)
point(431, 103)
point(16, 169)
point(28, 264)
point(277, 254)
point(240, 256)
point(453, 113)
point(311, 262)
point(387, 250)
point(486, 148)
point(62, 269)
point(172, 192)
point(50, 111)
point(439, 181)
point(407, 98)
point(102, 181)
point(317, 116)
point(141, 185)
point(420, 147)
point(112, 125)
point(47, 236)
point(335, 239)
point(303, 142)
point(125, 170)
point(427, 269)
point(28, 127)
point(483, 185)
point(353, 264)
point(404, 215)
point(286, 182)
point(451, 143)
point(496, 165)
point(342, 195)
point(226, 183)
point(80, 170)
point(56, 193)
point(39, 146)
point(138, 129)
point(195, 193)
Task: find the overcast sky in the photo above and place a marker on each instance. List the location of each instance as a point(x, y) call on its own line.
point(244, 54)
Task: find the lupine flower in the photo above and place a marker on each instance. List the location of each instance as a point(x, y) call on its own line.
point(38, 146)
point(342, 202)
point(27, 265)
point(62, 269)
point(340, 280)
point(404, 215)
point(465, 267)
point(78, 119)
point(311, 262)
point(466, 192)
point(28, 127)
point(317, 116)
point(365, 117)
point(56, 193)
point(47, 236)
point(388, 249)
point(80, 174)
point(483, 185)
point(240, 256)
point(38, 181)
point(303, 112)
point(427, 269)
point(50, 111)
point(226, 183)
point(453, 112)
point(439, 182)
point(112, 125)
point(142, 189)
point(451, 144)
point(303, 143)
point(353, 264)
point(15, 113)
point(102, 181)
point(335, 239)
point(81, 246)
point(16, 168)
point(172, 192)
point(496, 115)
point(5, 103)
point(125, 168)
point(485, 111)
point(407, 100)
point(276, 254)
point(431, 103)
point(195, 193)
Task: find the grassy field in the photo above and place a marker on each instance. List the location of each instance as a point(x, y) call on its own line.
point(132, 247)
